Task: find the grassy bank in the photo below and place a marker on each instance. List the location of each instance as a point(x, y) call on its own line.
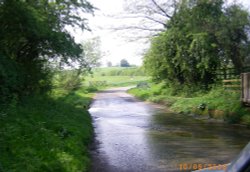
point(46, 133)
point(218, 103)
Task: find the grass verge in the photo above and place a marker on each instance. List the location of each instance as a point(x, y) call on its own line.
point(218, 103)
point(46, 133)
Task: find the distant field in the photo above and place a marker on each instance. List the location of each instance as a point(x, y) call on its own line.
point(116, 76)
point(119, 71)
point(107, 69)
point(116, 80)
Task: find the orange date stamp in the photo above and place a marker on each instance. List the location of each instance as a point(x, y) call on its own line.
point(199, 166)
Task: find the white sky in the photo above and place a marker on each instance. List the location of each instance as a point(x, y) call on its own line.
point(113, 44)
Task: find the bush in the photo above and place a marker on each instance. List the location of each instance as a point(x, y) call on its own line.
point(9, 81)
point(246, 119)
point(68, 80)
point(141, 93)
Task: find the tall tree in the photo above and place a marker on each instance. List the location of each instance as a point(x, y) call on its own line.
point(197, 43)
point(234, 36)
point(92, 51)
point(32, 33)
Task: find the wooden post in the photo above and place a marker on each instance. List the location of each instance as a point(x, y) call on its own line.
point(245, 89)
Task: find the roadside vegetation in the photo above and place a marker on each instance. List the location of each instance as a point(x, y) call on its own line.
point(51, 131)
point(46, 132)
point(202, 44)
point(44, 124)
point(217, 103)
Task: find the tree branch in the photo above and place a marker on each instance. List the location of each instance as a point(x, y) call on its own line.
point(161, 9)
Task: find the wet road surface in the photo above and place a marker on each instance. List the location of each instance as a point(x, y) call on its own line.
point(134, 136)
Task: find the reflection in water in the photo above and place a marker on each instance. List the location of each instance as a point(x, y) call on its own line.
point(134, 136)
point(182, 139)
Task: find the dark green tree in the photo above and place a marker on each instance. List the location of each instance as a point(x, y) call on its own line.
point(32, 34)
point(233, 37)
point(124, 63)
point(197, 43)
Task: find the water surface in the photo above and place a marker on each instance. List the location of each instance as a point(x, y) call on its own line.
point(134, 136)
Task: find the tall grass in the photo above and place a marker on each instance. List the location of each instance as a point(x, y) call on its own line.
point(46, 133)
point(216, 103)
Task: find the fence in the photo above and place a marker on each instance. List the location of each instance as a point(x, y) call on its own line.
point(232, 84)
point(231, 73)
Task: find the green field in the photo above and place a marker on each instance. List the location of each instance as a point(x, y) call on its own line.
point(119, 71)
point(116, 80)
point(116, 76)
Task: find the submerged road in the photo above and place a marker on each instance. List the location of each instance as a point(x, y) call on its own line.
point(134, 136)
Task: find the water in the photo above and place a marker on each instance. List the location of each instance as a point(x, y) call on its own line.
point(133, 136)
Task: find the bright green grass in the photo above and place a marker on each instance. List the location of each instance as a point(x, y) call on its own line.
point(46, 133)
point(116, 80)
point(119, 71)
point(116, 76)
point(105, 69)
point(216, 99)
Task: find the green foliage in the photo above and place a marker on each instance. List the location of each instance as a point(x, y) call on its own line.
point(234, 37)
point(202, 37)
point(222, 103)
point(32, 35)
point(68, 80)
point(8, 79)
point(46, 133)
point(246, 119)
point(92, 51)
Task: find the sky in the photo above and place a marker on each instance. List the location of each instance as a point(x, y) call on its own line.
point(114, 44)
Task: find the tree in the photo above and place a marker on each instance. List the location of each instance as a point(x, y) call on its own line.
point(109, 64)
point(92, 52)
point(124, 63)
point(234, 37)
point(197, 43)
point(145, 18)
point(32, 34)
